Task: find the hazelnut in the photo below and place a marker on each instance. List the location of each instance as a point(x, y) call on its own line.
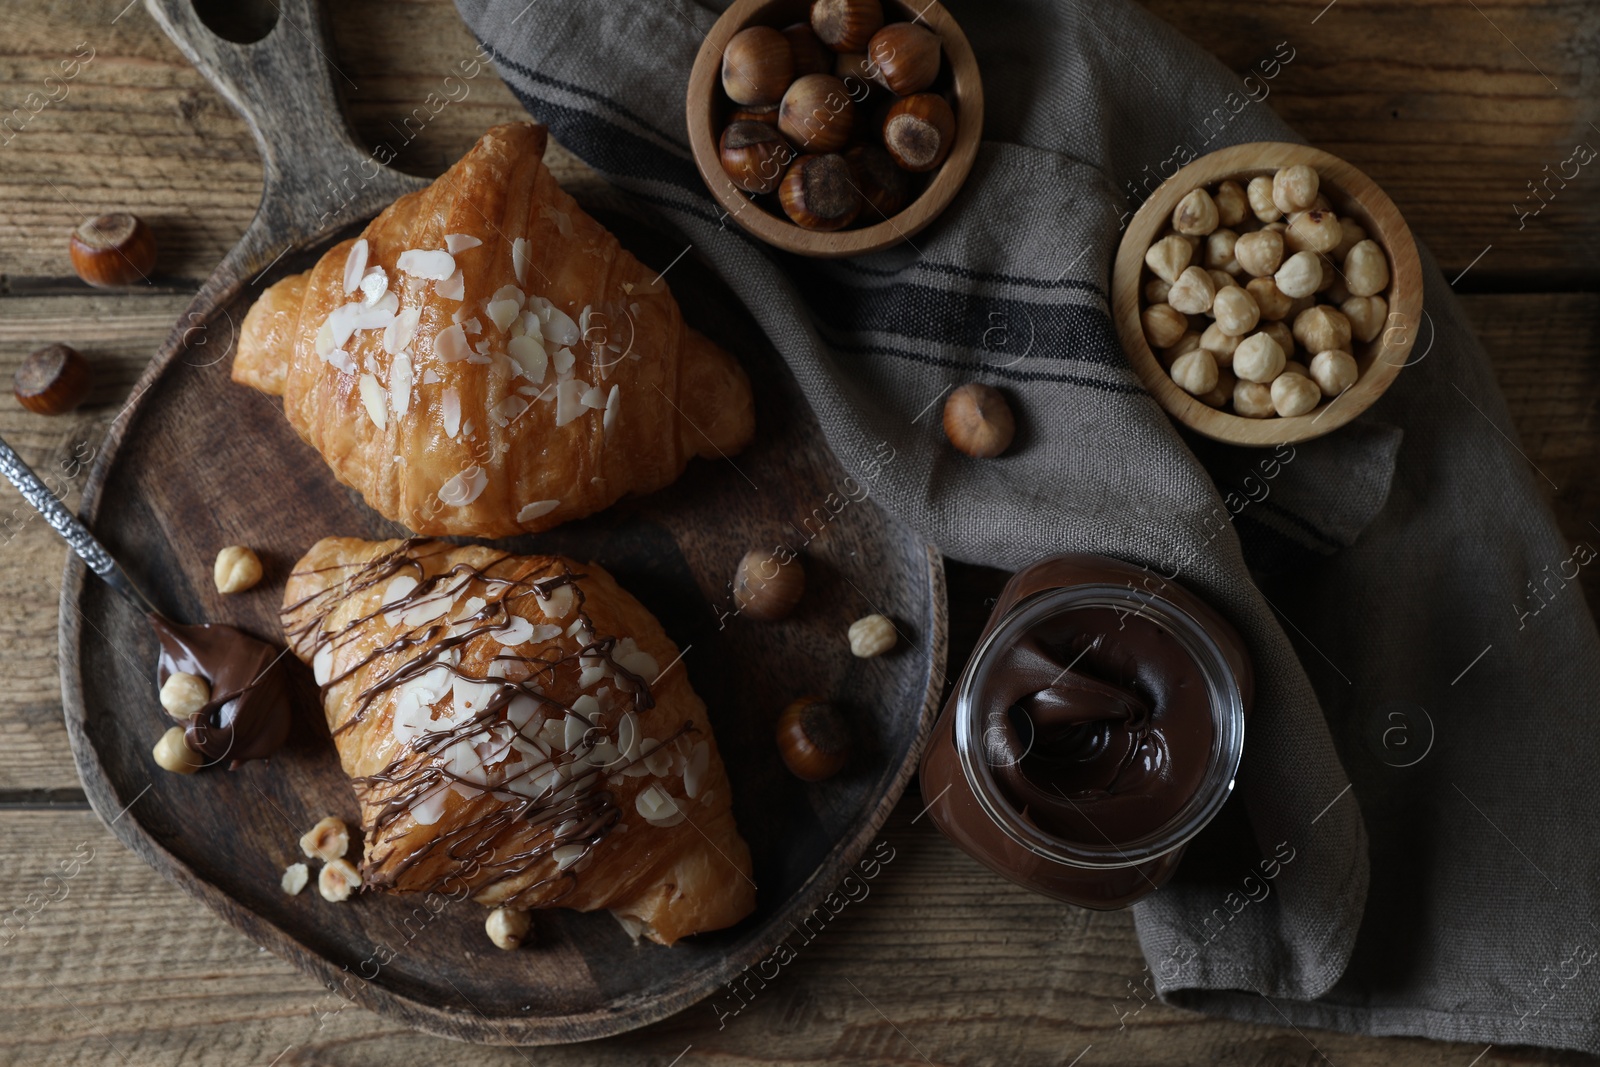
point(1156, 290)
point(919, 130)
point(113, 250)
point(1367, 315)
point(767, 113)
point(978, 421)
point(1219, 251)
point(1294, 188)
point(813, 739)
point(811, 56)
point(883, 185)
point(1221, 279)
point(906, 55)
point(872, 635)
point(1313, 231)
point(1233, 207)
point(1193, 292)
point(856, 66)
point(1169, 257)
point(328, 840)
point(1235, 311)
point(1294, 367)
point(1223, 392)
point(1279, 332)
point(767, 589)
point(1189, 342)
point(52, 380)
point(1294, 394)
point(816, 113)
point(1300, 275)
point(1269, 298)
point(1350, 235)
point(1333, 289)
point(185, 695)
point(1366, 270)
point(757, 66)
point(508, 927)
point(1163, 324)
point(173, 754)
point(754, 155)
point(237, 569)
point(338, 880)
point(1220, 344)
point(1258, 358)
point(1259, 193)
point(1253, 400)
point(1260, 253)
point(1195, 372)
point(1320, 328)
point(846, 25)
point(818, 193)
point(294, 878)
point(1334, 372)
point(1196, 214)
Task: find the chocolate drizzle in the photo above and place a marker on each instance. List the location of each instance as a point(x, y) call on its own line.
point(529, 769)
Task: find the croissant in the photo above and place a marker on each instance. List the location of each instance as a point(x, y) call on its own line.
point(518, 729)
point(486, 359)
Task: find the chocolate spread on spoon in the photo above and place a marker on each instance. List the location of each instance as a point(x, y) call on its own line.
point(248, 715)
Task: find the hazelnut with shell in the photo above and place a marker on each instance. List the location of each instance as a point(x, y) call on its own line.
point(757, 66)
point(766, 588)
point(846, 25)
point(978, 421)
point(820, 193)
point(813, 739)
point(754, 155)
point(817, 114)
point(906, 55)
point(919, 131)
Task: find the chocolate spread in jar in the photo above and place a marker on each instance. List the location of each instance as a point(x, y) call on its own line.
point(248, 715)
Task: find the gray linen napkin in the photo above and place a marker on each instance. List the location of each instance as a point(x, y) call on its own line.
point(1408, 600)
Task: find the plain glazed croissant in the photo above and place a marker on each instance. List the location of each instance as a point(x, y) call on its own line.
point(486, 359)
point(516, 724)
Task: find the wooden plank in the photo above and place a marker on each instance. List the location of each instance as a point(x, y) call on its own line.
point(1432, 100)
point(936, 961)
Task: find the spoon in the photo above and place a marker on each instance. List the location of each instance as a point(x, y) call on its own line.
point(247, 715)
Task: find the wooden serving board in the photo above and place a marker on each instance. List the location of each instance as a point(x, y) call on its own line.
point(197, 463)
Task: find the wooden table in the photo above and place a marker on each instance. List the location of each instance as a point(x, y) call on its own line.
point(1453, 106)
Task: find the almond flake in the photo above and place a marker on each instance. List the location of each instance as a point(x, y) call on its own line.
point(613, 401)
point(432, 264)
point(594, 398)
point(324, 340)
point(512, 293)
point(374, 283)
point(398, 335)
point(462, 489)
point(502, 313)
point(355, 265)
point(537, 509)
point(509, 410)
point(563, 360)
point(400, 384)
point(372, 397)
point(560, 328)
point(568, 405)
point(460, 242)
point(530, 356)
point(341, 359)
point(430, 377)
point(450, 409)
point(519, 258)
point(453, 287)
point(451, 344)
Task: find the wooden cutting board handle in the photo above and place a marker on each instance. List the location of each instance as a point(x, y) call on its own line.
point(317, 178)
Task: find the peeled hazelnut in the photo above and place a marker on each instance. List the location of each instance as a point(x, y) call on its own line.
point(1334, 372)
point(1195, 372)
point(1233, 207)
point(757, 66)
point(1223, 391)
point(1269, 298)
point(172, 754)
point(1253, 400)
point(816, 113)
point(1366, 269)
point(1156, 290)
point(1300, 275)
point(872, 635)
point(328, 840)
point(508, 927)
point(906, 55)
point(1294, 394)
point(1258, 358)
point(1193, 292)
point(1222, 280)
point(766, 588)
point(1219, 251)
point(1259, 193)
point(1235, 311)
point(1321, 328)
point(1350, 235)
point(185, 695)
point(978, 421)
point(1259, 254)
point(1313, 231)
point(52, 380)
point(294, 878)
point(811, 56)
point(754, 155)
point(885, 187)
point(1196, 214)
point(237, 569)
point(919, 130)
point(338, 880)
point(1169, 257)
point(1367, 315)
point(1279, 332)
point(813, 739)
point(1163, 324)
point(1333, 290)
point(113, 250)
point(1294, 188)
point(846, 25)
point(819, 193)
point(1189, 342)
point(1220, 344)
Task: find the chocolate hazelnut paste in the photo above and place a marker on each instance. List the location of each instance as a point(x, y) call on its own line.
point(248, 715)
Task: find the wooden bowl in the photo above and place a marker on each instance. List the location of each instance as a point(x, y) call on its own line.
point(708, 107)
point(1353, 195)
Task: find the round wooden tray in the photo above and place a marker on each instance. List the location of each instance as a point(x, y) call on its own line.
point(198, 462)
point(1354, 195)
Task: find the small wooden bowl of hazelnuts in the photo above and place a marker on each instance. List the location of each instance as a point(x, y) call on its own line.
point(834, 127)
point(1267, 293)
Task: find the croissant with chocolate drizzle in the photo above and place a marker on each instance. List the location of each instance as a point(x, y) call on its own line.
point(486, 359)
point(519, 725)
